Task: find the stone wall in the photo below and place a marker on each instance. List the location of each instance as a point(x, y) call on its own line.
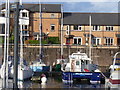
point(100, 56)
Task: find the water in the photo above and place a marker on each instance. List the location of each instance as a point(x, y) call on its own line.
point(53, 83)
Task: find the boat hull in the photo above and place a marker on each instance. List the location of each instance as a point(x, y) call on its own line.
point(94, 77)
point(40, 68)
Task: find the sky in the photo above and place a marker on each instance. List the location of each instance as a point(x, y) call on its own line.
point(80, 5)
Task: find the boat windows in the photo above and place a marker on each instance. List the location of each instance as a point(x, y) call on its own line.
point(77, 63)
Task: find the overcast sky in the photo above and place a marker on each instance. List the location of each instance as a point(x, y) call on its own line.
point(81, 5)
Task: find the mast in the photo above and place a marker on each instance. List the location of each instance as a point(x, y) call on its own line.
point(40, 29)
point(6, 46)
point(16, 41)
point(21, 39)
point(90, 24)
point(61, 31)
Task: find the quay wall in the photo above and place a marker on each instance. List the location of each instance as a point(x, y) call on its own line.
point(102, 56)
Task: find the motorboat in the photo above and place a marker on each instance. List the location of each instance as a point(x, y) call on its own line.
point(79, 62)
point(80, 66)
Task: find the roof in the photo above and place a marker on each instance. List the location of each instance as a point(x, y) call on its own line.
point(97, 18)
point(45, 7)
point(36, 7)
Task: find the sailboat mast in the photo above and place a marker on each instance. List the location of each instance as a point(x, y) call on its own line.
point(61, 31)
point(21, 39)
point(40, 29)
point(6, 46)
point(16, 41)
point(90, 24)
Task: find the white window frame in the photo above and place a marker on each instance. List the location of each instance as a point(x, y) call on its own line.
point(80, 27)
point(77, 40)
point(110, 41)
point(109, 28)
point(26, 14)
point(51, 27)
point(97, 38)
point(98, 28)
point(68, 30)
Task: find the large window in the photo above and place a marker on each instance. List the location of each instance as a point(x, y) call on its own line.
point(77, 40)
point(108, 41)
point(96, 28)
point(96, 41)
point(52, 27)
point(109, 28)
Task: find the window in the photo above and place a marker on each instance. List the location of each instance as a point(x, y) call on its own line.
point(108, 41)
point(96, 41)
point(52, 15)
point(24, 26)
point(52, 27)
point(75, 27)
point(96, 28)
point(68, 30)
point(79, 27)
point(77, 63)
point(109, 28)
point(77, 40)
point(24, 14)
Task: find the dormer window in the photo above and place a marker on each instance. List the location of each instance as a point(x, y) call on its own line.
point(24, 14)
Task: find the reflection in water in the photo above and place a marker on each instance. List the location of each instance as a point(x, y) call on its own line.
point(52, 83)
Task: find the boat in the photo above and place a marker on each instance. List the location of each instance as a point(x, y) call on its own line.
point(24, 71)
point(79, 66)
point(39, 66)
point(114, 80)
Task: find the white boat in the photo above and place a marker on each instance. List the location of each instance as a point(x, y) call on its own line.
point(114, 80)
point(24, 71)
point(79, 62)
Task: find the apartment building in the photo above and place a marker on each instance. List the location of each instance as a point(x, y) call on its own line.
point(104, 29)
point(34, 15)
point(76, 26)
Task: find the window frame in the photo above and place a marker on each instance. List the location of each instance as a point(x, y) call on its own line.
point(96, 26)
point(107, 39)
point(51, 25)
point(77, 40)
point(109, 28)
point(96, 42)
